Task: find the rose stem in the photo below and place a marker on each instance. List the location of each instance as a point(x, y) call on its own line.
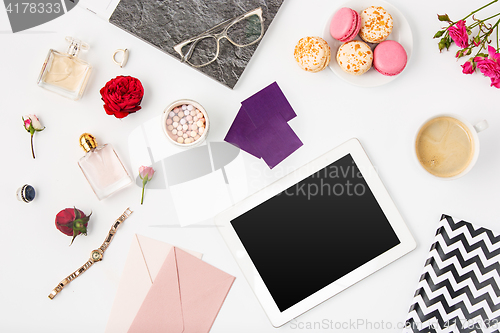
point(32, 151)
point(142, 198)
point(479, 9)
point(486, 19)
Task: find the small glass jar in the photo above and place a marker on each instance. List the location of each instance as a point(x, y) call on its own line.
point(187, 118)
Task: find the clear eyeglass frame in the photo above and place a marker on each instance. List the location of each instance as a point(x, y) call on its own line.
point(218, 36)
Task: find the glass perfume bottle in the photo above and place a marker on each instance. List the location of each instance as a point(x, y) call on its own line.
point(102, 167)
point(65, 73)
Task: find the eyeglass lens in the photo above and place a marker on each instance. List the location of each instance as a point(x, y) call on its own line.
point(241, 33)
point(245, 31)
point(204, 51)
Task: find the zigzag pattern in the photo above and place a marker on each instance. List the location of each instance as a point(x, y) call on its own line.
point(459, 290)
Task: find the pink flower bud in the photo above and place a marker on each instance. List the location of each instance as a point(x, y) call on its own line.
point(27, 123)
point(146, 172)
point(35, 122)
point(468, 67)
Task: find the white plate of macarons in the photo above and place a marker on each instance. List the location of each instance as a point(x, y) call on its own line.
point(348, 41)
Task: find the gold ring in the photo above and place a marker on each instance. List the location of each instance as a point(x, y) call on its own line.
point(124, 59)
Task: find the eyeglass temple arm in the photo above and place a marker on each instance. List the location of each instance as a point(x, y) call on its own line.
point(185, 57)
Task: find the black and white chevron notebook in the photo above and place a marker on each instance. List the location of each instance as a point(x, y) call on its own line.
point(459, 288)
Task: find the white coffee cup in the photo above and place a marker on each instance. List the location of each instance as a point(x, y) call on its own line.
point(448, 152)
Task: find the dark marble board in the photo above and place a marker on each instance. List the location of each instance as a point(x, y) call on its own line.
point(165, 23)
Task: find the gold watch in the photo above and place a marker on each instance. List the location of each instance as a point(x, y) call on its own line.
point(95, 256)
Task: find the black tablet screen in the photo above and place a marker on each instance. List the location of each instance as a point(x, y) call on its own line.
point(315, 232)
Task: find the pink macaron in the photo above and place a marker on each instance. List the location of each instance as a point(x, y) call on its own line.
point(345, 24)
point(389, 58)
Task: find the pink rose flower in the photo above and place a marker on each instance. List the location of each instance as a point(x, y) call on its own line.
point(490, 67)
point(458, 33)
point(493, 54)
point(495, 83)
point(468, 67)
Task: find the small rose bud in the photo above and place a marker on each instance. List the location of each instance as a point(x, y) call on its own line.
point(448, 42)
point(469, 66)
point(477, 41)
point(72, 222)
point(439, 34)
point(36, 123)
point(444, 42)
point(444, 18)
point(32, 125)
point(146, 173)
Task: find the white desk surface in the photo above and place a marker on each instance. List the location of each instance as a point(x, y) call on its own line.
point(36, 256)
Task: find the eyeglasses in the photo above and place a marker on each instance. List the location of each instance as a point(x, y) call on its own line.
point(241, 31)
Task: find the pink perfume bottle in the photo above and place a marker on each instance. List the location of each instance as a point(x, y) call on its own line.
point(102, 167)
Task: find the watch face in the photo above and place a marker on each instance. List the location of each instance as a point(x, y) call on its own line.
point(96, 255)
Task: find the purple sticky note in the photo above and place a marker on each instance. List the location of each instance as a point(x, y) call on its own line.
point(237, 134)
point(269, 100)
point(260, 128)
point(275, 141)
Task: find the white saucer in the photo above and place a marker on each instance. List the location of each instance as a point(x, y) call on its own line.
point(401, 33)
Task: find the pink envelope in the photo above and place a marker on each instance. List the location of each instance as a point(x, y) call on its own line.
point(145, 259)
point(186, 296)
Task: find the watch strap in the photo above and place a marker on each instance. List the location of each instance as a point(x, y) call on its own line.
point(113, 229)
point(90, 262)
point(70, 278)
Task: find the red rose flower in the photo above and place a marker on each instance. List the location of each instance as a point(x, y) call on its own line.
point(122, 96)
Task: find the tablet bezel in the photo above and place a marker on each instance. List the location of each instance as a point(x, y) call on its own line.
point(223, 223)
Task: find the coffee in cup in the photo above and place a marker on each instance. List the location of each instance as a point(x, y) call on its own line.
point(447, 147)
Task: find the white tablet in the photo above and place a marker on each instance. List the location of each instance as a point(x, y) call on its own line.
point(315, 232)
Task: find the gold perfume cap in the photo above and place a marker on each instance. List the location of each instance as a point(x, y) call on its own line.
point(87, 142)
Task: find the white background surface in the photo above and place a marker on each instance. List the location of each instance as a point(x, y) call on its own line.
point(36, 256)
